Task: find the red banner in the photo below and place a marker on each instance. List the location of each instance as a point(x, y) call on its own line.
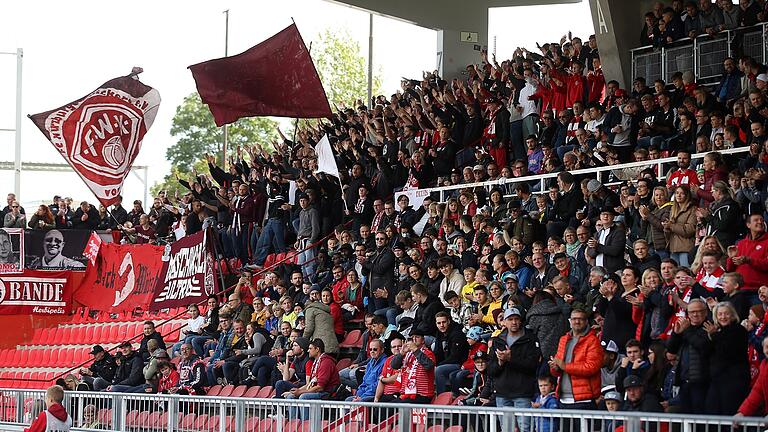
point(274, 78)
point(188, 274)
point(35, 292)
point(100, 134)
point(123, 278)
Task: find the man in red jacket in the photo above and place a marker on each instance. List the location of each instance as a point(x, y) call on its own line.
point(577, 365)
point(55, 417)
point(577, 86)
point(322, 378)
point(750, 255)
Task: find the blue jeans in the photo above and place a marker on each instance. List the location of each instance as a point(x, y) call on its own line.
point(523, 421)
point(458, 379)
point(442, 376)
point(682, 258)
point(283, 386)
point(262, 369)
point(272, 235)
point(348, 378)
point(177, 346)
point(198, 343)
point(292, 411)
point(129, 389)
point(390, 313)
point(308, 256)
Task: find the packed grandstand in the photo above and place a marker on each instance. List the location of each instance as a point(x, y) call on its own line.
point(635, 288)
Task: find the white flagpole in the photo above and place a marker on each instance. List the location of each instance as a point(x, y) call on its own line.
point(226, 126)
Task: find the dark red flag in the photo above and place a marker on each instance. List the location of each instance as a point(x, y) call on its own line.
point(274, 78)
point(100, 134)
point(188, 273)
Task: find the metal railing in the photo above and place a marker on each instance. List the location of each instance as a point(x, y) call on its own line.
point(153, 412)
point(658, 164)
point(703, 55)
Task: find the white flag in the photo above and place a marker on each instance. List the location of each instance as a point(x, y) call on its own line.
point(325, 161)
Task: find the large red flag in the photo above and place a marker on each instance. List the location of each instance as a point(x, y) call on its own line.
point(100, 134)
point(274, 78)
point(122, 279)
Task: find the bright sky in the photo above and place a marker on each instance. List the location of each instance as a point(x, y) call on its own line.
point(72, 47)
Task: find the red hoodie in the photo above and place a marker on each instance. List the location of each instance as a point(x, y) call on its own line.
point(41, 422)
point(755, 272)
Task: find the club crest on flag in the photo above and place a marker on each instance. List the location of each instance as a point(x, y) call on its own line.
point(100, 134)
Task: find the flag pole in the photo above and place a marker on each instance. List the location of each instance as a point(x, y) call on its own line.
point(226, 126)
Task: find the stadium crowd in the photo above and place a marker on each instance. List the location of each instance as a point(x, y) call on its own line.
point(623, 292)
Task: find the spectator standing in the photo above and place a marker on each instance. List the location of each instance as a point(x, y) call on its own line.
point(515, 357)
point(417, 375)
point(728, 364)
point(55, 417)
point(451, 349)
point(690, 341)
point(15, 218)
point(577, 364)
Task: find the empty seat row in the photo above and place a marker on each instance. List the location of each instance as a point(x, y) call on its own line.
point(26, 379)
point(86, 316)
point(44, 358)
point(99, 334)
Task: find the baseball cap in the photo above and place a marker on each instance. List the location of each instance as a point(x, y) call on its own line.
point(612, 276)
point(613, 395)
point(478, 168)
point(632, 381)
point(511, 276)
point(593, 185)
point(125, 344)
point(417, 332)
point(96, 349)
point(610, 346)
point(512, 312)
point(762, 77)
point(480, 355)
point(474, 332)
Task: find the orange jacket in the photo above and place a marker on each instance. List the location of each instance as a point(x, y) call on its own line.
point(584, 368)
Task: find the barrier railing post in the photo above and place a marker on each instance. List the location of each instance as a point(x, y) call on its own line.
point(173, 413)
point(19, 407)
point(404, 421)
point(118, 413)
point(316, 417)
point(508, 421)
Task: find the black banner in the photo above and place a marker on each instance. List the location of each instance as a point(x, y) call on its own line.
point(56, 249)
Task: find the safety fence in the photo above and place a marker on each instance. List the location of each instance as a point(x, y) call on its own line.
point(539, 181)
point(703, 55)
point(151, 412)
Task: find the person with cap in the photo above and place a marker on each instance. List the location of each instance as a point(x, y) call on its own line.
point(577, 364)
point(322, 379)
point(608, 244)
point(637, 399)
point(616, 311)
point(294, 369)
point(612, 360)
point(613, 401)
point(566, 266)
point(519, 225)
point(101, 372)
point(417, 375)
point(599, 197)
point(458, 378)
point(129, 372)
point(514, 360)
point(496, 137)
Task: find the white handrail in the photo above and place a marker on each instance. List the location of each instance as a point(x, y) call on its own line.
point(595, 170)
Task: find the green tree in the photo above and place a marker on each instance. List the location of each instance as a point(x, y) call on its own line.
point(197, 134)
point(342, 68)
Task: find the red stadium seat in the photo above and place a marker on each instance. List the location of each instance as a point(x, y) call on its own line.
point(4, 354)
point(188, 422)
point(343, 363)
point(264, 392)
point(456, 428)
point(201, 423)
point(85, 336)
point(292, 425)
point(444, 398)
point(122, 332)
point(214, 390)
point(55, 336)
point(153, 420)
point(252, 392)
point(68, 358)
point(226, 390)
point(252, 424)
point(33, 358)
point(131, 419)
point(24, 358)
point(213, 423)
point(105, 417)
point(46, 358)
point(351, 340)
point(239, 391)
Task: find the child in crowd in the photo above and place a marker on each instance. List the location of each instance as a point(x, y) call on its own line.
point(461, 312)
point(547, 399)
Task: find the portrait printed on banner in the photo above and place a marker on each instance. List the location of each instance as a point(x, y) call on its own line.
point(11, 250)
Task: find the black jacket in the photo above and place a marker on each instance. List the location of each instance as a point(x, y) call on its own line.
point(618, 325)
point(567, 204)
point(724, 218)
point(380, 271)
point(693, 348)
point(451, 347)
point(612, 250)
point(130, 372)
point(104, 368)
point(90, 224)
point(425, 315)
point(517, 377)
